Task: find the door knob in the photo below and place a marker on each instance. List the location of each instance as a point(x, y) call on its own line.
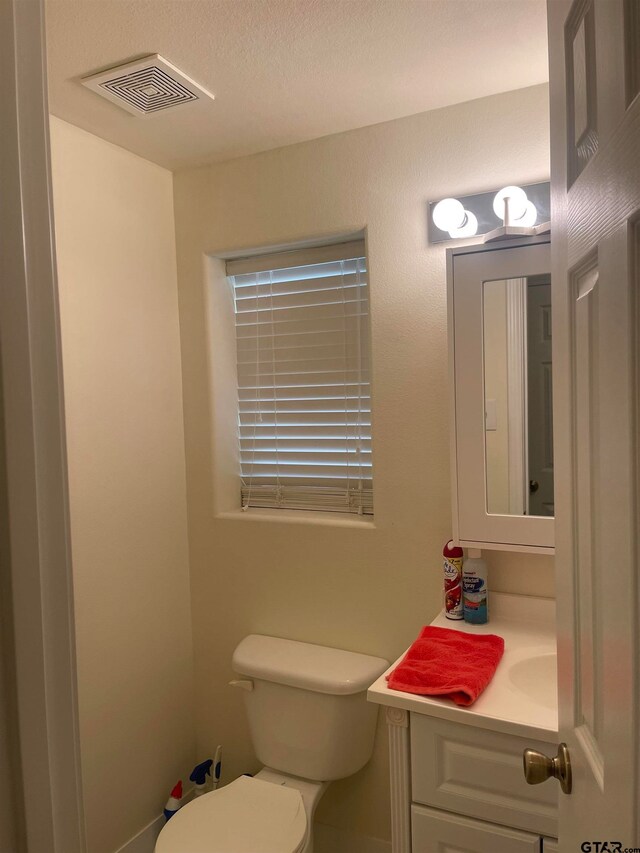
point(534, 485)
point(538, 767)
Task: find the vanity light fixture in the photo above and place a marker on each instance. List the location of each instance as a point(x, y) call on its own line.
point(513, 211)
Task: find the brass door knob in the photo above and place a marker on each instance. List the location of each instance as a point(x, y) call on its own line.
point(538, 767)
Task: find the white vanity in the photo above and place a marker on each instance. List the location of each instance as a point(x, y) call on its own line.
point(457, 781)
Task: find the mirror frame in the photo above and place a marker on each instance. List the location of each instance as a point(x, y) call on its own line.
point(468, 267)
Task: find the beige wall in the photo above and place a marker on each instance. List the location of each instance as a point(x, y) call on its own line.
point(360, 587)
point(120, 340)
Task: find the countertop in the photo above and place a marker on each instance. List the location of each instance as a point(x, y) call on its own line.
point(522, 696)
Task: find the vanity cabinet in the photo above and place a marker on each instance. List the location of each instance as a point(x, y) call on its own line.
point(456, 774)
point(457, 786)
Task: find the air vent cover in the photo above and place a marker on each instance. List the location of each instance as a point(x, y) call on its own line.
point(146, 86)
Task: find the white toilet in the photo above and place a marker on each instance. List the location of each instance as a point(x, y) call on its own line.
point(310, 724)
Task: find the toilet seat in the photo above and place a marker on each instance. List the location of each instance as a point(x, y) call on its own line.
point(246, 816)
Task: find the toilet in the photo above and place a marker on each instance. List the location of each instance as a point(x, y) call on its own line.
point(310, 724)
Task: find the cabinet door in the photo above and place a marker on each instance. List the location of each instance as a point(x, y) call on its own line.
point(550, 845)
point(441, 832)
point(478, 773)
point(488, 348)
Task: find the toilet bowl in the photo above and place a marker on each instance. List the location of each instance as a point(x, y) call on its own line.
point(310, 723)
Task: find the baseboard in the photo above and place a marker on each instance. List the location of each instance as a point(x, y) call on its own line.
point(330, 839)
point(327, 839)
point(145, 840)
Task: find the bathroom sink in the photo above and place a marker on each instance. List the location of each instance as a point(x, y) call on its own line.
point(536, 678)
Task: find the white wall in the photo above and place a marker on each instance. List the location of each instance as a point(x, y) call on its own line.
point(121, 359)
point(363, 587)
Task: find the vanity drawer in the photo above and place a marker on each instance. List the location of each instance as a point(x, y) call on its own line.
point(439, 832)
point(477, 772)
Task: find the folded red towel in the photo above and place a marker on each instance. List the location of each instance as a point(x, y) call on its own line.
point(447, 663)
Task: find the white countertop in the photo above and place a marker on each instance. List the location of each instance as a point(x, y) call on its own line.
point(521, 699)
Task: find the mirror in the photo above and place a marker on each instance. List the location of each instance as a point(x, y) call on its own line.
point(517, 370)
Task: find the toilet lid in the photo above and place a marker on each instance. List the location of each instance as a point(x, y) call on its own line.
point(247, 816)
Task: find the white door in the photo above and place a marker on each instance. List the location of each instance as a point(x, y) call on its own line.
point(595, 165)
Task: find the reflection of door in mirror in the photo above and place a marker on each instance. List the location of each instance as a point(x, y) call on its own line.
point(517, 396)
point(539, 393)
point(504, 341)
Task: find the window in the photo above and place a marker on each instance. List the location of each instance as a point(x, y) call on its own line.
point(304, 400)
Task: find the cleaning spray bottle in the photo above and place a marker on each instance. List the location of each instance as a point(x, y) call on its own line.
point(217, 768)
point(475, 595)
point(199, 776)
point(174, 801)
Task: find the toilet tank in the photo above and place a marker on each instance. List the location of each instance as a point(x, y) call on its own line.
point(307, 707)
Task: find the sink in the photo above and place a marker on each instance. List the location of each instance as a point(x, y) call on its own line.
point(536, 677)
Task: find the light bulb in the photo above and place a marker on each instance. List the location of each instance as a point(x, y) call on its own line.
point(468, 228)
point(517, 203)
point(448, 214)
point(528, 218)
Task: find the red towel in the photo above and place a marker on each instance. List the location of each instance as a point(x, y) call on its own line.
point(447, 663)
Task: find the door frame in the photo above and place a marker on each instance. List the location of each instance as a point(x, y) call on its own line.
point(35, 488)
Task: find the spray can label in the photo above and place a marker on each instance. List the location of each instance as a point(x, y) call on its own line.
point(474, 587)
point(453, 607)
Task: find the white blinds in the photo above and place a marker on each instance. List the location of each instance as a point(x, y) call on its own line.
point(302, 329)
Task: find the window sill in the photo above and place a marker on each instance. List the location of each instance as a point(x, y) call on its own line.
point(299, 516)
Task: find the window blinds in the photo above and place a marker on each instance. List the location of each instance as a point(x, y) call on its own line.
point(302, 330)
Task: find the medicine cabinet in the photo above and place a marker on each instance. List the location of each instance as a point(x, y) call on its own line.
point(500, 334)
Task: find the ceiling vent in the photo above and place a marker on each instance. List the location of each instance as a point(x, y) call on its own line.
point(146, 87)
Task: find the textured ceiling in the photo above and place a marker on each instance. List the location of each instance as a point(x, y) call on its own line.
point(284, 71)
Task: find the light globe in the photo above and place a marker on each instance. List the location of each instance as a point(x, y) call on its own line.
point(468, 228)
point(448, 214)
point(517, 203)
point(528, 218)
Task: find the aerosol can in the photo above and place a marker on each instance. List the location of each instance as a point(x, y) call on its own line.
point(453, 555)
